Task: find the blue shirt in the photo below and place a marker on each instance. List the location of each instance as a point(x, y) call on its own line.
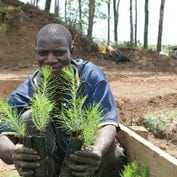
point(94, 85)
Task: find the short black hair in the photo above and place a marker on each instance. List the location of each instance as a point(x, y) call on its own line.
point(54, 29)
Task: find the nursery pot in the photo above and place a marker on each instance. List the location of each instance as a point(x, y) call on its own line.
point(74, 145)
point(38, 143)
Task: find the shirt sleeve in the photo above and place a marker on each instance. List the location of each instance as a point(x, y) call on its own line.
point(97, 89)
point(21, 97)
point(103, 95)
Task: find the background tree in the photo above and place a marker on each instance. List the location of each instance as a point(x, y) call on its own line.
point(159, 40)
point(91, 17)
point(56, 8)
point(131, 23)
point(47, 5)
point(146, 24)
point(116, 18)
point(80, 15)
point(136, 14)
point(34, 2)
point(66, 3)
point(109, 16)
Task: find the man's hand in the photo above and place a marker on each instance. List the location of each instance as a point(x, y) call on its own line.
point(84, 162)
point(25, 160)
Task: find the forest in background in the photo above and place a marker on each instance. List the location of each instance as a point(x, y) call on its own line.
point(82, 14)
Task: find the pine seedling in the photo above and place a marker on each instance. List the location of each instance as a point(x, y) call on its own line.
point(79, 121)
point(93, 115)
point(72, 105)
point(42, 103)
point(10, 118)
point(46, 85)
point(41, 108)
point(133, 169)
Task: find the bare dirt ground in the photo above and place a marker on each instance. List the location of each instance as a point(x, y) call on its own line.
point(136, 92)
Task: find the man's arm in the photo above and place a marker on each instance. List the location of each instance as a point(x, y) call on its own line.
point(86, 161)
point(6, 149)
point(105, 137)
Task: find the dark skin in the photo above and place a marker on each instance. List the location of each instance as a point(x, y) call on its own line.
point(56, 52)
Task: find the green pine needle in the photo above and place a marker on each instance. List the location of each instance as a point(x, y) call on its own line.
point(133, 169)
point(47, 85)
point(93, 115)
point(10, 119)
point(41, 108)
point(78, 121)
point(42, 104)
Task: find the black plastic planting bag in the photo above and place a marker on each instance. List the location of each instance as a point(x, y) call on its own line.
point(74, 145)
point(38, 144)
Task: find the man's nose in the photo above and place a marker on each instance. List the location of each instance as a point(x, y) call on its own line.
point(51, 59)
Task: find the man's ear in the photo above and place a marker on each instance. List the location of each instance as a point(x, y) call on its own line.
point(35, 53)
point(72, 49)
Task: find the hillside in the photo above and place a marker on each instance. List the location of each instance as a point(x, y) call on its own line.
point(17, 42)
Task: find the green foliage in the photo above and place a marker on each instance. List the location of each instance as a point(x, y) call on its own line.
point(133, 169)
point(5, 17)
point(46, 85)
point(8, 173)
point(42, 104)
point(158, 122)
point(91, 121)
point(3, 27)
point(98, 13)
point(14, 174)
point(41, 108)
point(78, 21)
point(77, 120)
point(4, 12)
point(10, 118)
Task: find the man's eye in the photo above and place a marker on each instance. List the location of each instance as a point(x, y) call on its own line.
point(42, 53)
point(59, 53)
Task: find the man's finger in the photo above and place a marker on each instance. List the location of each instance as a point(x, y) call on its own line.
point(87, 153)
point(27, 157)
point(84, 160)
point(81, 168)
point(28, 165)
point(24, 150)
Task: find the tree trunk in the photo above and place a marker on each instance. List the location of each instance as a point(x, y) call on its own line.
point(159, 40)
point(108, 22)
point(146, 24)
point(91, 17)
point(116, 17)
point(36, 2)
point(57, 8)
point(131, 24)
point(66, 3)
point(80, 15)
point(47, 5)
point(136, 14)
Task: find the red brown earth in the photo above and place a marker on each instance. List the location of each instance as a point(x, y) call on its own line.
point(146, 84)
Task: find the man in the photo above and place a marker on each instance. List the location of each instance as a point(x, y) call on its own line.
point(105, 158)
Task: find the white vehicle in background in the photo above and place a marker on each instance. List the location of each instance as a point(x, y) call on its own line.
point(173, 51)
